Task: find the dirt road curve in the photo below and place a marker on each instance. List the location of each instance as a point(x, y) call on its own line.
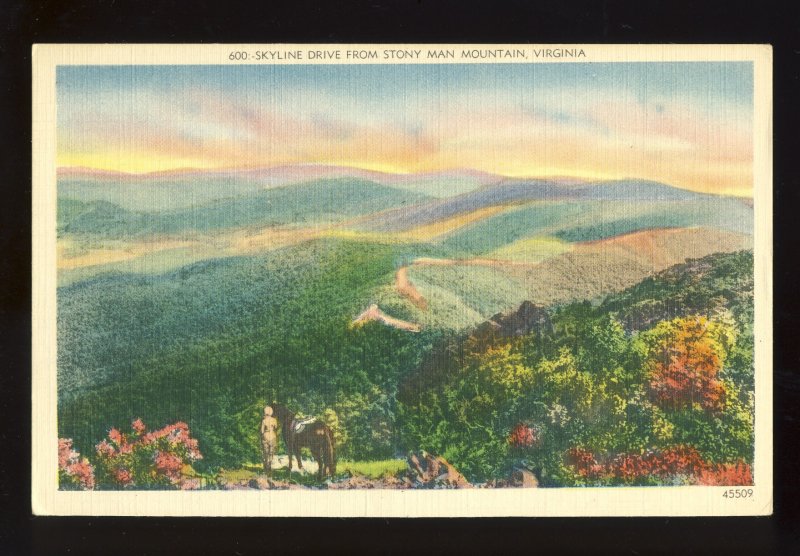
point(406, 288)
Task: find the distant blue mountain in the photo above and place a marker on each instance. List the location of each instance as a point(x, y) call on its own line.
point(634, 190)
point(191, 188)
point(320, 201)
point(516, 191)
point(156, 193)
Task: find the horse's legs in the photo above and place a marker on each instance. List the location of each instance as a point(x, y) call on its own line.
point(297, 455)
point(289, 451)
point(317, 453)
point(324, 454)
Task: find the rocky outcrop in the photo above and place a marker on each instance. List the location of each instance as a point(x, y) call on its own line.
point(448, 355)
point(429, 471)
point(360, 482)
point(529, 318)
point(258, 483)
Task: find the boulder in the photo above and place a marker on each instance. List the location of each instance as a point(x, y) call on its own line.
point(430, 471)
point(522, 478)
point(519, 478)
point(260, 483)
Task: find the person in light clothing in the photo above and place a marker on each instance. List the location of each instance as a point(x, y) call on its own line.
point(269, 438)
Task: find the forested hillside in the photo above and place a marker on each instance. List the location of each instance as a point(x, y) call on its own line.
point(217, 351)
point(653, 385)
point(568, 391)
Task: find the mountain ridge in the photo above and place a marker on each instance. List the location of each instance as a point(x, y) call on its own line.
point(463, 179)
point(316, 201)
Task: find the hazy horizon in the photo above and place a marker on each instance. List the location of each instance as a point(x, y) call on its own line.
point(684, 124)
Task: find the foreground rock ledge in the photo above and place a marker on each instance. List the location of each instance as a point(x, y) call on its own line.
point(425, 471)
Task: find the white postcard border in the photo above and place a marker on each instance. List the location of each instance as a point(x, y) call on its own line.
point(46, 499)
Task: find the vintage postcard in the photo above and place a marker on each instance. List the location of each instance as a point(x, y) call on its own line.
point(402, 280)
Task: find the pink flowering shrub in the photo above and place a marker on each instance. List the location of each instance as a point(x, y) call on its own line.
point(142, 459)
point(74, 472)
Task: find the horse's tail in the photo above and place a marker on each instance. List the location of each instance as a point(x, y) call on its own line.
point(330, 451)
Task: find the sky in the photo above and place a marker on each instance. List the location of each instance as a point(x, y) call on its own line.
point(686, 124)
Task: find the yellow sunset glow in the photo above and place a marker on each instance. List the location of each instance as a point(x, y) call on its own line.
point(402, 120)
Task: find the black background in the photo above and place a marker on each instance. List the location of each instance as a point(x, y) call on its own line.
point(443, 21)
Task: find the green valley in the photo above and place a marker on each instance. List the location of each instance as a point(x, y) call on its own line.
point(533, 324)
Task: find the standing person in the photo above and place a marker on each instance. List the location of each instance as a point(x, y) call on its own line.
point(269, 438)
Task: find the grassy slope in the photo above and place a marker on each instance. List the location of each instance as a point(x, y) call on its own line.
point(376, 469)
point(722, 213)
point(591, 220)
point(531, 249)
point(460, 296)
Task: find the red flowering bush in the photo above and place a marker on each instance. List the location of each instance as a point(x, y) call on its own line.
point(142, 459)
point(584, 463)
point(726, 474)
point(671, 462)
point(523, 436)
point(74, 472)
point(682, 463)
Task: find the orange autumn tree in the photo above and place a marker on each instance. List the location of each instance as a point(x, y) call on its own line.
point(683, 359)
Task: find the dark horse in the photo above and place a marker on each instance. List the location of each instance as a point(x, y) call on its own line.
point(316, 436)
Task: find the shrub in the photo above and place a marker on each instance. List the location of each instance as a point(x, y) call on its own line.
point(682, 464)
point(142, 459)
point(676, 461)
point(726, 474)
point(584, 463)
point(685, 358)
point(523, 436)
point(74, 471)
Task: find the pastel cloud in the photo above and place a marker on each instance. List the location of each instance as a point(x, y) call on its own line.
point(397, 120)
